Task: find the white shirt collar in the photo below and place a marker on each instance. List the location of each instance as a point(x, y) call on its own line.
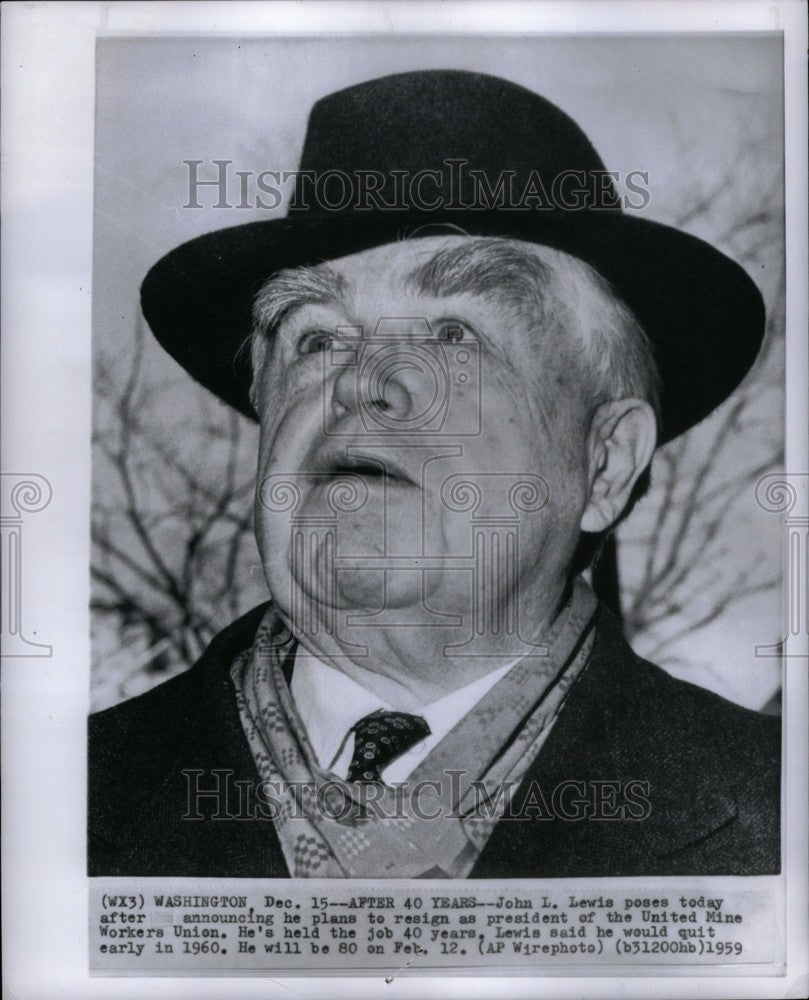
point(330, 703)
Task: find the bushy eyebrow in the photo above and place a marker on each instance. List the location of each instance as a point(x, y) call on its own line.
point(295, 287)
point(492, 269)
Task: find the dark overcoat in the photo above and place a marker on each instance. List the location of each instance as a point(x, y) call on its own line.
point(709, 772)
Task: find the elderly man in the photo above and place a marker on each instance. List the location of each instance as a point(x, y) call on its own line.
point(460, 374)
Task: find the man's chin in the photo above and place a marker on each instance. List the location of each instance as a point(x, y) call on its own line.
point(361, 591)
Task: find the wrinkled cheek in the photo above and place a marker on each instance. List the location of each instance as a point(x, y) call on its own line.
point(275, 411)
point(562, 474)
point(549, 505)
point(272, 537)
point(287, 433)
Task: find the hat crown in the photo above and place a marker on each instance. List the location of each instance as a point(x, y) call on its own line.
point(488, 142)
point(701, 311)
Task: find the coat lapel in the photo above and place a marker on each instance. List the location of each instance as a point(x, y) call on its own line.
point(624, 721)
point(231, 838)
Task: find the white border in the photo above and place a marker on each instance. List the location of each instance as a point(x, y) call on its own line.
point(47, 143)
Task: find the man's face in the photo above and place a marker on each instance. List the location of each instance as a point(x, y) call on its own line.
point(398, 426)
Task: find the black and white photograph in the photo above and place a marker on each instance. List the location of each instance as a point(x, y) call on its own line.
point(443, 573)
point(424, 494)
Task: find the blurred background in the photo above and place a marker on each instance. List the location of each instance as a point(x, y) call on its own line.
point(699, 563)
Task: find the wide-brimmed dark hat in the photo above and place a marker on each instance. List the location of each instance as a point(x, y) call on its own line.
point(390, 158)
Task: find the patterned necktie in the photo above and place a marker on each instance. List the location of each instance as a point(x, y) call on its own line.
point(380, 738)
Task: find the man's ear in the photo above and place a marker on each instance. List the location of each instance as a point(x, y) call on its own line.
point(620, 444)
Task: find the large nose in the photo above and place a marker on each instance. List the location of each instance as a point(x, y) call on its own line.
point(391, 384)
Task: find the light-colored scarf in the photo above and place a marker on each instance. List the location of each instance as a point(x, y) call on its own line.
point(437, 822)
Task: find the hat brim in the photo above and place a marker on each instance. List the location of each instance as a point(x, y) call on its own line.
point(703, 315)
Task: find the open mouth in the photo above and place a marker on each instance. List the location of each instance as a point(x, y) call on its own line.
point(368, 467)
